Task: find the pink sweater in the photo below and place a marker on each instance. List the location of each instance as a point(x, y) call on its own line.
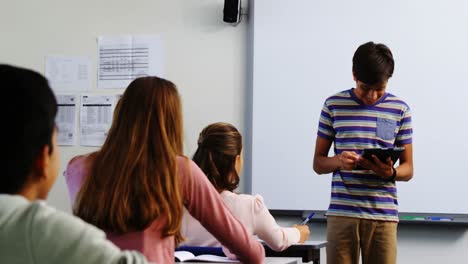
point(253, 213)
point(200, 199)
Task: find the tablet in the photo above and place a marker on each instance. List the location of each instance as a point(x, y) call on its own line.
point(383, 153)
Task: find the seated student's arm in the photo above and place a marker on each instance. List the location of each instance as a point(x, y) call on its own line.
point(265, 227)
point(55, 237)
point(205, 204)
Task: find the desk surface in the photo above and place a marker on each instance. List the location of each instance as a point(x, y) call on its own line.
point(268, 260)
point(311, 244)
point(307, 251)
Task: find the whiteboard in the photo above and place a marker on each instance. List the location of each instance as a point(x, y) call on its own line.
point(302, 53)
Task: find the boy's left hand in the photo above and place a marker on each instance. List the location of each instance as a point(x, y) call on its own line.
point(381, 169)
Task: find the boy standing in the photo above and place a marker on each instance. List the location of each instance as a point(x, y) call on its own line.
point(363, 213)
point(31, 231)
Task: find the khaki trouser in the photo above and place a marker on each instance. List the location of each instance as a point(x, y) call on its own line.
point(377, 240)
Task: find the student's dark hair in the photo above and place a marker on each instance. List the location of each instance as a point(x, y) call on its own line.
point(373, 63)
point(28, 109)
point(218, 146)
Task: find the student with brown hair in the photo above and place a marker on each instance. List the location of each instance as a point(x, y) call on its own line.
point(362, 217)
point(30, 230)
point(219, 155)
point(136, 186)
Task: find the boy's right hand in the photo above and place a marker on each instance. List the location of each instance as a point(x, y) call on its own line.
point(304, 231)
point(349, 160)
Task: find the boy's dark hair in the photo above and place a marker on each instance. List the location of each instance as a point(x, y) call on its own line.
point(373, 63)
point(28, 108)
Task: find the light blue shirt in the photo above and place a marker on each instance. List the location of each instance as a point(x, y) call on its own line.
point(33, 232)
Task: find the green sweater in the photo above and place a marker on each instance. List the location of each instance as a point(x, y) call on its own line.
point(33, 232)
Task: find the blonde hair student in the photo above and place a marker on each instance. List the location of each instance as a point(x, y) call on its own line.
point(219, 155)
point(136, 186)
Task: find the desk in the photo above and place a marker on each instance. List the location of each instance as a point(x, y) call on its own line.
point(308, 251)
point(268, 260)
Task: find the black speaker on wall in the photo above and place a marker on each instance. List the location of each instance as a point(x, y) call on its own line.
point(232, 11)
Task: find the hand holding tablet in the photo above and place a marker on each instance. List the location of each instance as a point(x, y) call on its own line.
point(383, 153)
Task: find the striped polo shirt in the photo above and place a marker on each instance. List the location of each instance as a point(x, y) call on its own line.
point(354, 126)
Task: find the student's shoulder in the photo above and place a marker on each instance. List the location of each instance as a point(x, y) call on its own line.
point(397, 101)
point(14, 208)
point(50, 218)
point(227, 195)
point(21, 211)
point(80, 160)
point(184, 162)
point(342, 95)
point(41, 219)
point(254, 201)
point(48, 235)
point(78, 164)
point(71, 239)
point(188, 168)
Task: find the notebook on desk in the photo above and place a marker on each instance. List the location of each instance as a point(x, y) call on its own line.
point(218, 251)
point(201, 254)
point(186, 256)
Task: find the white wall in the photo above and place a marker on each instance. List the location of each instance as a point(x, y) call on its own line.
point(205, 57)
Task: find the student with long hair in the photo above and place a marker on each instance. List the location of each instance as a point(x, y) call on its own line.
point(136, 186)
point(30, 230)
point(219, 155)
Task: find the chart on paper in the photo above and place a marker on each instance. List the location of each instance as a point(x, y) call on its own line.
point(95, 118)
point(66, 119)
point(122, 59)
